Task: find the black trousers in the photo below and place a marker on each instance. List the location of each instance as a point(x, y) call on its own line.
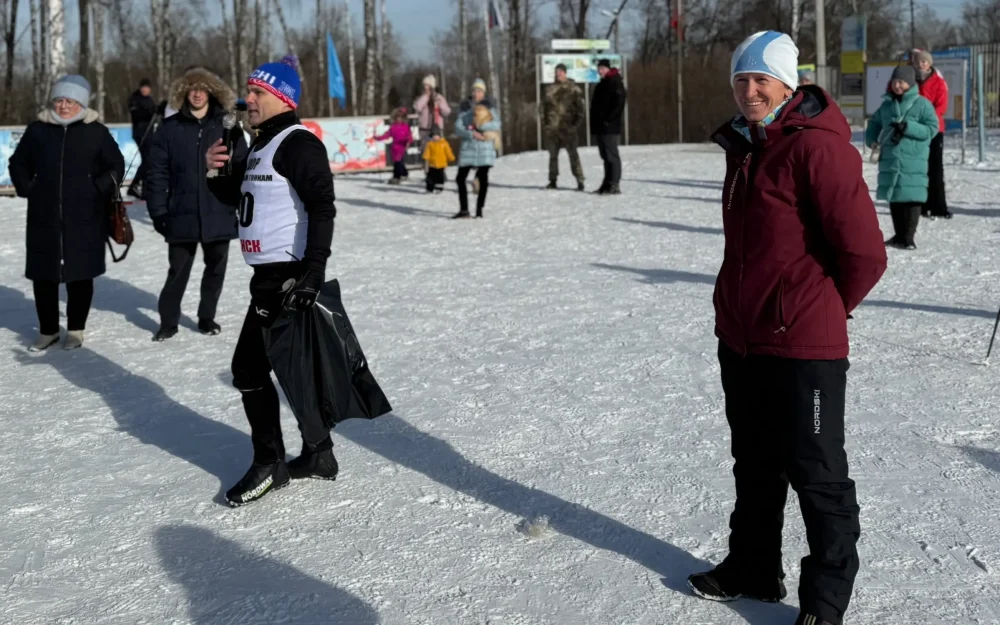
point(435, 179)
point(607, 147)
point(252, 370)
point(483, 175)
point(905, 218)
point(787, 422)
point(936, 204)
point(399, 170)
point(181, 257)
point(79, 295)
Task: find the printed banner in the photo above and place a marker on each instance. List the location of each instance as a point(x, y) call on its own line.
point(581, 68)
point(350, 143)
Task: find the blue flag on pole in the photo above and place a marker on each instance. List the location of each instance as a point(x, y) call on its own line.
point(335, 76)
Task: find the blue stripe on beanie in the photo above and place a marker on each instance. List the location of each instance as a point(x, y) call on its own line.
point(767, 52)
point(280, 79)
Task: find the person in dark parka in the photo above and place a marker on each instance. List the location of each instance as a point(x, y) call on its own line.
point(606, 112)
point(67, 165)
point(142, 111)
point(179, 202)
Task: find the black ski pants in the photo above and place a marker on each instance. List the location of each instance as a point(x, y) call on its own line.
point(787, 422)
point(435, 179)
point(607, 147)
point(252, 369)
point(905, 218)
point(79, 295)
point(483, 175)
point(937, 204)
point(181, 258)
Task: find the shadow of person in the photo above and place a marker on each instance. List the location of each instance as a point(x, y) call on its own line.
point(402, 210)
point(120, 297)
point(17, 314)
point(141, 407)
point(397, 441)
point(986, 457)
point(228, 585)
point(660, 276)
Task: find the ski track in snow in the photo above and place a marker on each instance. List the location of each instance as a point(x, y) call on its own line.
point(553, 360)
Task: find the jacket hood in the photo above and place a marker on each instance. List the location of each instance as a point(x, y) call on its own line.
point(48, 116)
point(200, 78)
point(811, 107)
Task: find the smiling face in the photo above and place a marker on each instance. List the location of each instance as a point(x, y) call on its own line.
point(757, 95)
point(262, 105)
point(66, 108)
point(197, 99)
point(899, 87)
point(922, 66)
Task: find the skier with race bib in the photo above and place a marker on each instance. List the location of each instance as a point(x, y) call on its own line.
point(284, 190)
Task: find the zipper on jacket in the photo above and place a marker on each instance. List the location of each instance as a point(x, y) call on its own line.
point(62, 245)
point(732, 187)
point(201, 127)
point(743, 254)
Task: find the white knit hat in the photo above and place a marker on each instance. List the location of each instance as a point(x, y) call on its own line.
point(431, 81)
point(767, 52)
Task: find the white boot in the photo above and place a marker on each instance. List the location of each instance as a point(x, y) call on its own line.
point(74, 339)
point(43, 342)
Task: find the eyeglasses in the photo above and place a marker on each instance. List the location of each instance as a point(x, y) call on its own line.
point(65, 102)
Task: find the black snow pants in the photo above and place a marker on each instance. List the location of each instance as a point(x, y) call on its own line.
point(607, 147)
point(252, 370)
point(905, 218)
point(181, 259)
point(787, 422)
point(937, 203)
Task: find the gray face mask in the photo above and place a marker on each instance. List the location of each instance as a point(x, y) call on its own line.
point(56, 119)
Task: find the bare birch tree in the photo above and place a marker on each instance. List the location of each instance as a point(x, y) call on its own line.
point(158, 13)
point(57, 40)
point(83, 59)
point(464, 28)
point(321, 96)
point(371, 62)
point(99, 14)
point(385, 79)
point(9, 27)
point(38, 54)
point(796, 19)
point(350, 58)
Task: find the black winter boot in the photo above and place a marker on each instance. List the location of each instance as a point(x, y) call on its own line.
point(208, 327)
point(724, 584)
point(164, 334)
point(318, 464)
point(808, 619)
point(552, 185)
point(260, 480)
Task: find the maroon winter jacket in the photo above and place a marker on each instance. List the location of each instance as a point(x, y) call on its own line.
point(803, 245)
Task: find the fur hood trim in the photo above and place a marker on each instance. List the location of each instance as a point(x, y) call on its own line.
point(48, 116)
point(201, 78)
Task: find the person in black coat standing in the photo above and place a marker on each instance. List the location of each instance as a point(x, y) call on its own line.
point(67, 165)
point(606, 111)
point(142, 110)
point(179, 202)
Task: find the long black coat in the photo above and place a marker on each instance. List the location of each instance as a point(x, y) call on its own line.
point(68, 174)
point(608, 105)
point(176, 183)
point(142, 109)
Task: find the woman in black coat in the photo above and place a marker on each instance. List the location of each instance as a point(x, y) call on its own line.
point(67, 165)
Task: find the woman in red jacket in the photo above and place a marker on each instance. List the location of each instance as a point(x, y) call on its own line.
point(802, 249)
point(934, 88)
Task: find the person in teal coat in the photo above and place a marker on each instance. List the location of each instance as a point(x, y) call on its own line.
point(477, 149)
point(901, 132)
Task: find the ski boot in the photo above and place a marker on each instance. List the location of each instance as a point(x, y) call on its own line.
point(724, 584)
point(260, 480)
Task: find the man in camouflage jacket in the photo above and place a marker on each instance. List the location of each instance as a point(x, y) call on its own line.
point(564, 115)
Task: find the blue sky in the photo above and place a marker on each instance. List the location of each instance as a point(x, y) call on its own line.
point(416, 20)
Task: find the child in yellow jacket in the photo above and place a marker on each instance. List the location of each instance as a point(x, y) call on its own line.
point(437, 154)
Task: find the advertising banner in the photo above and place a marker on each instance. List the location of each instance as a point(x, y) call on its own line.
point(581, 68)
point(350, 144)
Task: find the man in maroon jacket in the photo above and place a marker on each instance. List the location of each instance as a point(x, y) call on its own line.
point(802, 249)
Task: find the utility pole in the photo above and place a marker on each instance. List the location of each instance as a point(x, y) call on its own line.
point(913, 26)
point(821, 44)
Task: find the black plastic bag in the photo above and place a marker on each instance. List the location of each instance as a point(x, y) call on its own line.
point(319, 364)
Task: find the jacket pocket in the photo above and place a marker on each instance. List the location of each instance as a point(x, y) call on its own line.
point(782, 325)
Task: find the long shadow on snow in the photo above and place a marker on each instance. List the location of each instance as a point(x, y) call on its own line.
point(120, 297)
point(682, 182)
point(670, 226)
point(986, 457)
point(391, 188)
point(397, 441)
point(229, 585)
point(403, 210)
point(975, 212)
point(944, 310)
point(661, 276)
point(139, 406)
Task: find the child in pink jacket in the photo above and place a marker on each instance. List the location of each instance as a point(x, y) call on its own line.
point(402, 137)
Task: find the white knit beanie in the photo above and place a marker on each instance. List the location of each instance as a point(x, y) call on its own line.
point(767, 52)
point(431, 81)
point(72, 87)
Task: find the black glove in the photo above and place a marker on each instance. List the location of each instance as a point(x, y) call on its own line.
point(303, 294)
point(160, 225)
point(161, 109)
point(899, 128)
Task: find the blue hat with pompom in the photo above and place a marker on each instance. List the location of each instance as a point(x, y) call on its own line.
point(281, 79)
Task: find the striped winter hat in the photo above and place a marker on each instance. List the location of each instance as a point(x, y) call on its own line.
point(767, 52)
point(280, 79)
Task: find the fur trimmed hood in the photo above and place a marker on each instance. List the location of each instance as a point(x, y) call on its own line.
point(201, 78)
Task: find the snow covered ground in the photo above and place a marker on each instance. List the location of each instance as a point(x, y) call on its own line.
point(555, 359)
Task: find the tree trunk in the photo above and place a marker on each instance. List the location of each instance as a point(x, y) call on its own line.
point(290, 45)
point(83, 62)
point(463, 26)
point(57, 41)
point(10, 38)
point(581, 20)
point(371, 45)
point(227, 28)
point(99, 14)
point(38, 54)
point(321, 94)
point(383, 70)
point(124, 39)
point(796, 19)
point(494, 79)
point(350, 59)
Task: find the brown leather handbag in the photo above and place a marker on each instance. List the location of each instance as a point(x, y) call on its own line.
point(121, 226)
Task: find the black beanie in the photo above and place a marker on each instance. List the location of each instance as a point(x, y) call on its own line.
point(906, 73)
point(604, 63)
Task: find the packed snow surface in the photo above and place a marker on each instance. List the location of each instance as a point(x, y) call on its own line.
point(558, 451)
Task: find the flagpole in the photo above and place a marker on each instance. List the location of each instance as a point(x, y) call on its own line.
point(494, 81)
